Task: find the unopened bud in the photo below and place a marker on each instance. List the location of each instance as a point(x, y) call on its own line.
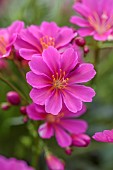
point(86, 49)
point(13, 98)
point(68, 150)
point(23, 110)
point(80, 140)
point(5, 106)
point(80, 41)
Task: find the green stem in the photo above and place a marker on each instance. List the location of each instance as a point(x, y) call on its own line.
point(13, 87)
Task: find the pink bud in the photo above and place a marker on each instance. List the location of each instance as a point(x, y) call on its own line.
point(86, 49)
point(23, 110)
point(80, 41)
point(25, 119)
point(68, 150)
point(3, 64)
point(80, 140)
point(54, 163)
point(5, 106)
point(13, 98)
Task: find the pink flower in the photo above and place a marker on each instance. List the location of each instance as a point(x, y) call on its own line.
point(80, 140)
point(34, 39)
point(54, 163)
point(8, 37)
point(105, 136)
point(56, 80)
point(96, 18)
point(13, 164)
point(61, 125)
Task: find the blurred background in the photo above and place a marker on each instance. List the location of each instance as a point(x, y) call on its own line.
point(14, 136)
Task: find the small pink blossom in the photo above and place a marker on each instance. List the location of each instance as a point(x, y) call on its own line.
point(56, 80)
point(8, 37)
point(96, 18)
point(54, 163)
point(34, 39)
point(13, 164)
point(61, 125)
point(105, 136)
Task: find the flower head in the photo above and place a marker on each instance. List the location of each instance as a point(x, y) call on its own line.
point(105, 136)
point(8, 37)
point(61, 125)
point(34, 39)
point(13, 164)
point(56, 80)
point(96, 18)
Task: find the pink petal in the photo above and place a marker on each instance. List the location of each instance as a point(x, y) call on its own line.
point(35, 31)
point(16, 27)
point(82, 92)
point(53, 104)
point(46, 131)
point(39, 96)
point(72, 58)
point(52, 58)
point(79, 21)
point(81, 9)
point(74, 126)
point(27, 53)
point(71, 102)
point(83, 73)
point(65, 36)
point(38, 66)
point(62, 137)
point(49, 29)
point(38, 81)
point(86, 31)
point(33, 114)
point(100, 137)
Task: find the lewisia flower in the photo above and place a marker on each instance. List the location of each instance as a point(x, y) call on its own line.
point(56, 80)
point(34, 39)
point(8, 37)
point(96, 18)
point(13, 164)
point(54, 163)
point(61, 125)
point(105, 136)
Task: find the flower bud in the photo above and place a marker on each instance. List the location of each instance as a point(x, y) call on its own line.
point(13, 98)
point(5, 106)
point(3, 64)
point(80, 140)
point(80, 41)
point(25, 119)
point(86, 49)
point(68, 150)
point(54, 163)
point(23, 110)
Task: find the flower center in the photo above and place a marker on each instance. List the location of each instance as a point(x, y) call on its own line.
point(101, 23)
point(47, 41)
point(59, 80)
point(54, 118)
point(2, 45)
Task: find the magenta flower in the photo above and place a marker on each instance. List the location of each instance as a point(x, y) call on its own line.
point(56, 80)
point(34, 39)
point(105, 136)
point(8, 37)
point(13, 164)
point(54, 163)
point(96, 18)
point(61, 125)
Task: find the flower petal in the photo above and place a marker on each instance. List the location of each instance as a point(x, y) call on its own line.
point(27, 53)
point(86, 31)
point(74, 126)
point(53, 104)
point(83, 73)
point(71, 102)
point(39, 96)
point(79, 21)
point(38, 66)
point(38, 81)
point(82, 92)
point(46, 131)
point(52, 58)
point(34, 114)
point(69, 60)
point(62, 137)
